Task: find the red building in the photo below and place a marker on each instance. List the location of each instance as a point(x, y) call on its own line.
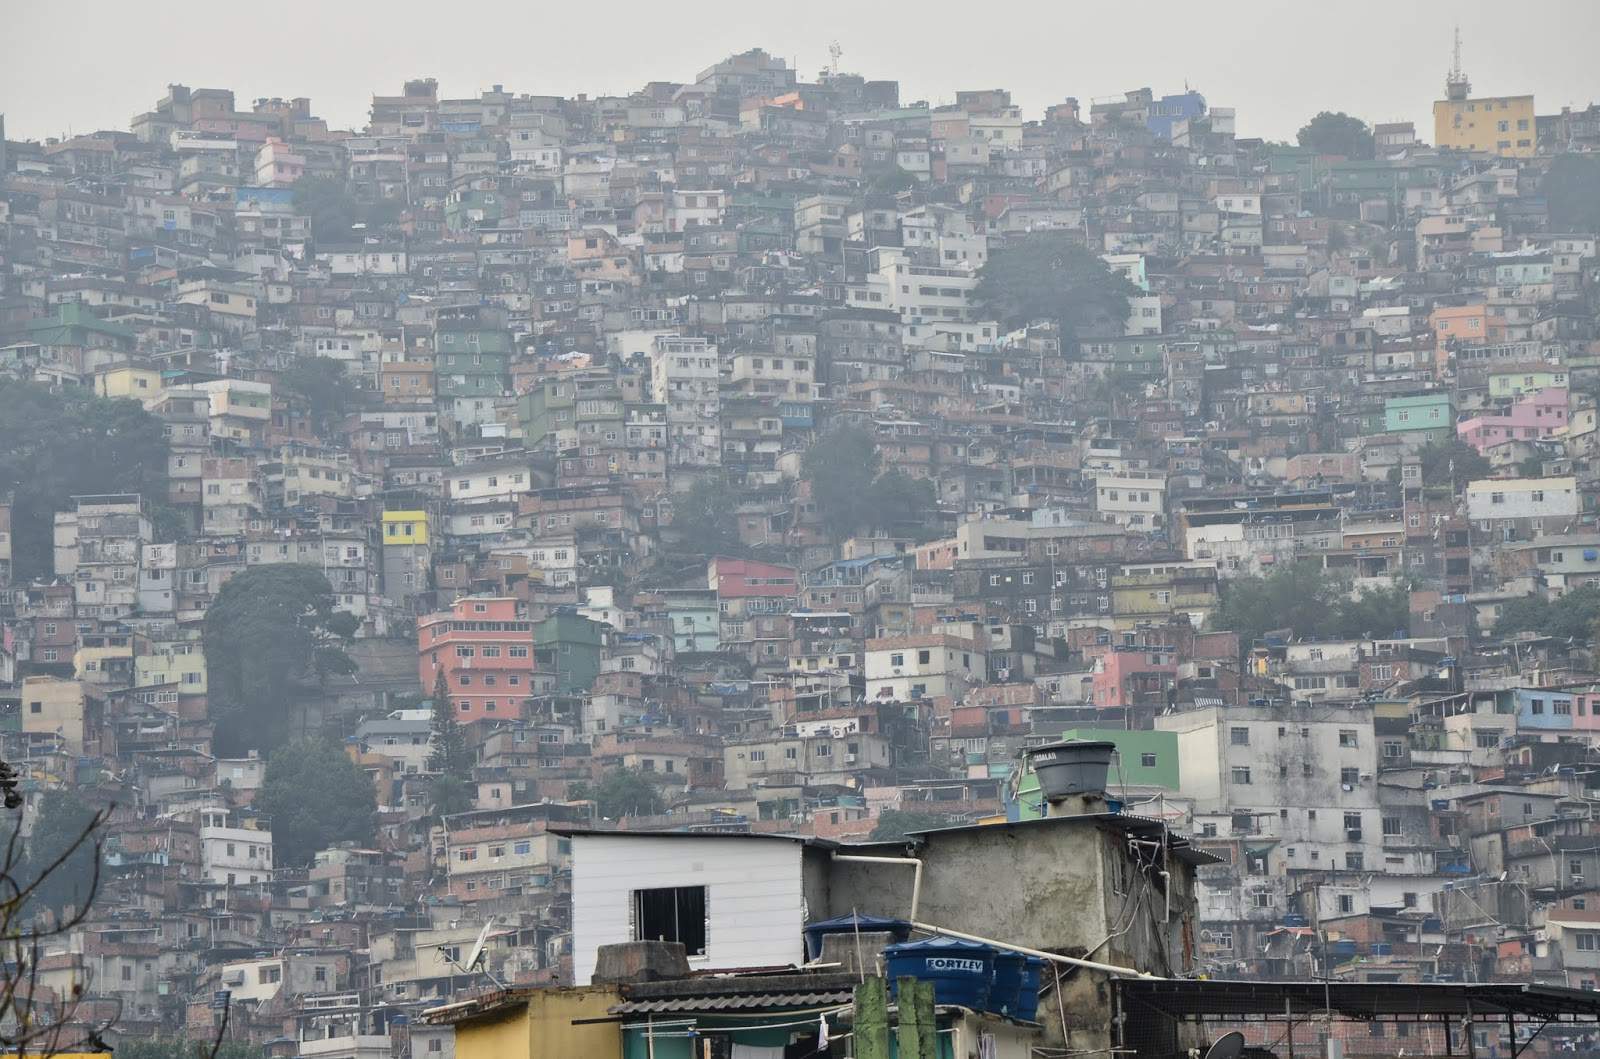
point(746, 578)
point(485, 650)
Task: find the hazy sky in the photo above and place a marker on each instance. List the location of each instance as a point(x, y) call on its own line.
point(90, 64)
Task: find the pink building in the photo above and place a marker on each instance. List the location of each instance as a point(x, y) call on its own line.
point(484, 647)
point(1126, 676)
point(1538, 415)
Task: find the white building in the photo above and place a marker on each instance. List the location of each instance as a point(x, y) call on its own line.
point(685, 375)
point(232, 854)
point(1542, 505)
point(1136, 500)
point(927, 666)
point(732, 900)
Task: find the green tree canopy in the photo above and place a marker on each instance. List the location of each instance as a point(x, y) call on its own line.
point(1337, 133)
point(1302, 598)
point(842, 467)
point(704, 518)
point(57, 444)
point(1572, 191)
point(1051, 276)
point(620, 792)
point(322, 386)
point(271, 630)
point(1452, 462)
point(895, 824)
point(317, 797)
point(334, 211)
point(1573, 616)
point(59, 831)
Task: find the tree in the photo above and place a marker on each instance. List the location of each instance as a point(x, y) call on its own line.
point(891, 182)
point(1337, 133)
point(904, 505)
point(57, 444)
point(58, 829)
point(1049, 276)
point(322, 386)
point(704, 518)
point(1297, 596)
point(620, 792)
point(1452, 463)
point(895, 824)
point(1302, 598)
point(56, 870)
point(449, 756)
point(1573, 616)
point(270, 631)
point(1372, 612)
point(334, 211)
point(317, 797)
point(841, 466)
point(184, 1048)
point(1572, 191)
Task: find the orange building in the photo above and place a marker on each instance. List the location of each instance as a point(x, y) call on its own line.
point(484, 647)
point(1457, 325)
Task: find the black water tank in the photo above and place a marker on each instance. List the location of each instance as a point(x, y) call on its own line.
point(1074, 766)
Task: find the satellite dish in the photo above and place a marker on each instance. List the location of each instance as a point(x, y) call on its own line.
point(1229, 1046)
point(483, 938)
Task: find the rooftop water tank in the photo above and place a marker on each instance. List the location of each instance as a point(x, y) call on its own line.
point(959, 970)
point(851, 924)
point(1074, 766)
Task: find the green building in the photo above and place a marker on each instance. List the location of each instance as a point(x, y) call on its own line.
point(569, 645)
point(1429, 412)
point(472, 351)
point(1143, 759)
point(585, 406)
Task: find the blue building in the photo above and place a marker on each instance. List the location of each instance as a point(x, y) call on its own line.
point(1169, 109)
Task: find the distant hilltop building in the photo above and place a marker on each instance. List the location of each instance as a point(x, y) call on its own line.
point(1502, 125)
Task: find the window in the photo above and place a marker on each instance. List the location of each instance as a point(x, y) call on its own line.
point(1347, 904)
point(1391, 825)
point(1349, 777)
point(1147, 761)
point(1587, 942)
point(521, 849)
point(671, 913)
point(1347, 737)
point(1240, 736)
point(1241, 774)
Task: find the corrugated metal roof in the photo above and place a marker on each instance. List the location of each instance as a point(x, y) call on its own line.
point(762, 1001)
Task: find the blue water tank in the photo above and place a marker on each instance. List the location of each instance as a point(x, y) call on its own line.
point(959, 970)
point(849, 925)
point(1028, 989)
point(1007, 981)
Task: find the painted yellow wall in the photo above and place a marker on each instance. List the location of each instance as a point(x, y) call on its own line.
point(552, 1012)
point(544, 1028)
point(394, 520)
point(1474, 125)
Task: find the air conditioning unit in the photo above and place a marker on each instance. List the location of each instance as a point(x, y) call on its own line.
point(1353, 834)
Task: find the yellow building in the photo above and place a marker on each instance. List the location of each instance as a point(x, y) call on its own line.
point(126, 380)
point(177, 662)
point(67, 708)
point(554, 1023)
point(405, 527)
point(1502, 125)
